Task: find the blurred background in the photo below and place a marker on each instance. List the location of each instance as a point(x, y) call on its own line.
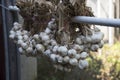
point(103, 65)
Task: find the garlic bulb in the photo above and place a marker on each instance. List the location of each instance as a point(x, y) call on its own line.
point(73, 61)
point(53, 57)
point(40, 48)
point(20, 37)
point(55, 48)
point(36, 36)
point(20, 49)
point(47, 30)
point(19, 42)
point(83, 64)
point(63, 50)
point(77, 56)
point(94, 47)
point(66, 59)
point(25, 37)
point(72, 52)
point(84, 55)
point(29, 50)
point(24, 45)
point(12, 36)
point(79, 41)
point(48, 52)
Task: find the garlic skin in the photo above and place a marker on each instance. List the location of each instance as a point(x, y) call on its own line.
point(20, 37)
point(53, 57)
point(72, 52)
point(73, 61)
point(66, 59)
point(29, 50)
point(84, 55)
point(82, 64)
point(94, 47)
point(77, 56)
point(36, 36)
point(48, 52)
point(20, 49)
point(63, 50)
point(40, 48)
point(19, 42)
point(25, 37)
point(24, 45)
point(79, 41)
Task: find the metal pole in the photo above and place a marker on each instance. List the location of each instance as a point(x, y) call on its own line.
point(5, 42)
point(97, 21)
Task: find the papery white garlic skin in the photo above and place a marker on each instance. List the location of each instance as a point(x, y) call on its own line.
point(72, 52)
point(48, 52)
point(73, 61)
point(29, 50)
point(78, 40)
point(24, 45)
point(47, 30)
point(77, 56)
point(45, 37)
point(55, 48)
point(78, 47)
point(18, 33)
point(20, 49)
point(19, 42)
point(66, 59)
point(40, 47)
point(82, 64)
point(36, 36)
point(94, 47)
point(59, 59)
point(63, 50)
point(53, 57)
point(12, 36)
point(83, 54)
point(12, 32)
point(20, 37)
point(25, 37)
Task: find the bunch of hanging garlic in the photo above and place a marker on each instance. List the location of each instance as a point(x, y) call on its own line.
point(64, 57)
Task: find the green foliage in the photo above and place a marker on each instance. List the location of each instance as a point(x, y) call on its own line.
point(102, 66)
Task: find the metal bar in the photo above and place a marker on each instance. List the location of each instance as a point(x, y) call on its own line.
point(5, 42)
point(97, 21)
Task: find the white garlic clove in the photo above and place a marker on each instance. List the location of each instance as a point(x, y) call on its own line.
point(47, 30)
point(77, 56)
point(84, 55)
point(73, 61)
point(63, 50)
point(24, 45)
point(82, 64)
point(66, 59)
point(29, 50)
point(72, 52)
point(40, 48)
